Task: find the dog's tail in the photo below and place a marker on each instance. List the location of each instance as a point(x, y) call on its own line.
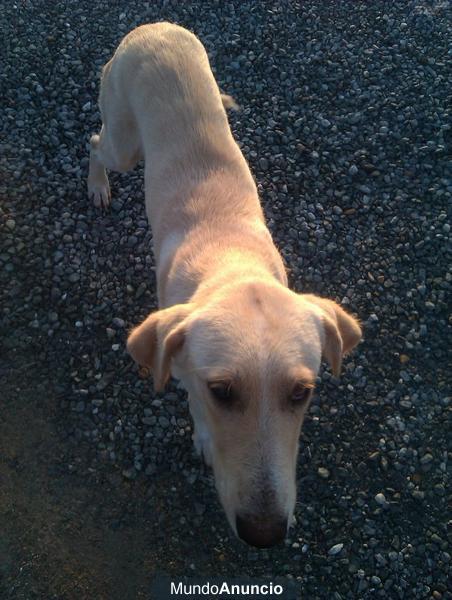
point(229, 102)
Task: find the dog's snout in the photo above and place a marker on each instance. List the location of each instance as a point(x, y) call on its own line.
point(261, 531)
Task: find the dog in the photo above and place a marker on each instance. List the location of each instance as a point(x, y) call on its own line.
point(246, 348)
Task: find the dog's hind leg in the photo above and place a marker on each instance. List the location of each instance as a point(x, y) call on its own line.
point(118, 149)
point(118, 145)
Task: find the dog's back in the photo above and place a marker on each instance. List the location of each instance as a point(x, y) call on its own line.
point(172, 61)
point(160, 101)
point(162, 72)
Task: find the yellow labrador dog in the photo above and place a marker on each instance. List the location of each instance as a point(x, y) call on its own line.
point(246, 348)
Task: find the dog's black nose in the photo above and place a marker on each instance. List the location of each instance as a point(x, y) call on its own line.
point(261, 532)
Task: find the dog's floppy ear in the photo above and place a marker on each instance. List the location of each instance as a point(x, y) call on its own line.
point(342, 331)
point(154, 342)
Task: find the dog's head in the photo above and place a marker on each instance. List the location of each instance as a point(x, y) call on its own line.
point(249, 360)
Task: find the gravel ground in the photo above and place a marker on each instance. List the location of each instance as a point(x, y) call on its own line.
point(346, 124)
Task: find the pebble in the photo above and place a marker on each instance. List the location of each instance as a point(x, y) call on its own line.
point(426, 459)
point(418, 494)
point(380, 499)
point(335, 549)
point(323, 472)
point(263, 164)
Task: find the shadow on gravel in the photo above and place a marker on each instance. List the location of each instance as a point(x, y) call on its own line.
point(70, 532)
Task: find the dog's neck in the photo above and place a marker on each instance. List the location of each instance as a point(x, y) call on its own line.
point(215, 224)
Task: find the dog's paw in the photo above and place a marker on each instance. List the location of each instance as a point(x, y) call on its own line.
point(202, 444)
point(99, 192)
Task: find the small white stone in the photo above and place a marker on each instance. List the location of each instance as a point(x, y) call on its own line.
point(381, 500)
point(323, 472)
point(335, 549)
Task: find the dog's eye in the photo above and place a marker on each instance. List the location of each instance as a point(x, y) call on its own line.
point(220, 390)
point(300, 394)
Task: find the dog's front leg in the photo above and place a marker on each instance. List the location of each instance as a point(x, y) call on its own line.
point(202, 439)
